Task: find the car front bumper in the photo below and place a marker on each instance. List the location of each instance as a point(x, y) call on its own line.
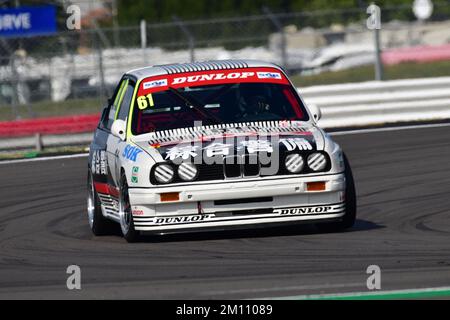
point(231, 204)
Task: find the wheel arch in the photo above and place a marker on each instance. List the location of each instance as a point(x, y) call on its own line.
point(123, 172)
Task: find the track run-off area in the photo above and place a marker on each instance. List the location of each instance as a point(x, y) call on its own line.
point(402, 178)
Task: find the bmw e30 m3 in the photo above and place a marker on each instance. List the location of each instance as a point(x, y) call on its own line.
point(212, 146)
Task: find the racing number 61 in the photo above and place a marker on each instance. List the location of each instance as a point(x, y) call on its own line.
point(145, 101)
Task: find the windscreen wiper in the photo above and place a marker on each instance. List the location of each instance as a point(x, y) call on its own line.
point(196, 105)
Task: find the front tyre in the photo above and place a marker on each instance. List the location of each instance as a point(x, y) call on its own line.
point(126, 217)
point(99, 225)
point(349, 218)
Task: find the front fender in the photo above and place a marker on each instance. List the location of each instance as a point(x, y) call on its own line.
point(136, 164)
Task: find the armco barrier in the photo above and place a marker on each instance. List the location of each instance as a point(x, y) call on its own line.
point(342, 105)
point(374, 102)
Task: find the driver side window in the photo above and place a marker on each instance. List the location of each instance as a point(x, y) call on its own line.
point(125, 103)
point(113, 107)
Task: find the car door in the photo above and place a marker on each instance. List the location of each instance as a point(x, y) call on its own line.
point(114, 143)
point(99, 159)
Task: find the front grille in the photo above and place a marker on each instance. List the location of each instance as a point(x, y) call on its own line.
point(232, 167)
point(238, 166)
point(251, 166)
point(243, 212)
point(241, 201)
point(210, 172)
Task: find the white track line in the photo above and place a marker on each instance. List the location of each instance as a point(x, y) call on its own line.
point(412, 127)
point(338, 133)
point(374, 294)
point(70, 156)
point(288, 288)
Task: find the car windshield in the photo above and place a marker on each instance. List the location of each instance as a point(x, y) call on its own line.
point(223, 98)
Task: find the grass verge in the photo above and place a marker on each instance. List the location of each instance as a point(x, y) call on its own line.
point(52, 109)
point(29, 154)
point(367, 73)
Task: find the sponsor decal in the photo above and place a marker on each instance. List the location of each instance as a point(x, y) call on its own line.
point(183, 152)
point(293, 143)
point(155, 84)
point(217, 149)
point(269, 75)
point(184, 219)
point(134, 175)
point(137, 212)
point(131, 153)
point(99, 165)
point(235, 145)
point(212, 77)
point(145, 101)
point(303, 210)
point(254, 146)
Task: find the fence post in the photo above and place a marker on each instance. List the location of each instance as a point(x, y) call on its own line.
point(379, 74)
point(38, 142)
point(188, 35)
point(115, 24)
point(101, 35)
point(14, 85)
point(279, 26)
point(143, 26)
point(101, 73)
point(374, 23)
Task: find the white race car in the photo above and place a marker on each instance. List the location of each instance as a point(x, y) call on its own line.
point(212, 146)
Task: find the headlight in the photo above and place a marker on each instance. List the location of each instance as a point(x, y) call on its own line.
point(164, 173)
point(187, 171)
point(294, 163)
point(317, 161)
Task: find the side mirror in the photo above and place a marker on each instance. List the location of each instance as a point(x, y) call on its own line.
point(315, 112)
point(118, 129)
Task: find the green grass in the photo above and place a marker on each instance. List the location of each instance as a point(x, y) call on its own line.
point(367, 73)
point(53, 109)
point(426, 293)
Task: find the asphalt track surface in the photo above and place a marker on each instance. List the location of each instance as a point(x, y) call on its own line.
point(403, 186)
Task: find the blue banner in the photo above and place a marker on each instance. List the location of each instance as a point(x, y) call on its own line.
point(27, 21)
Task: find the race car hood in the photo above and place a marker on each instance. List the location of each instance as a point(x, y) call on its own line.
point(182, 144)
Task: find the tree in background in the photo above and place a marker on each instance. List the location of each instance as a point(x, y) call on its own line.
point(132, 11)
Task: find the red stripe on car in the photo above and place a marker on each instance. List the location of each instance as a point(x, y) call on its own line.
point(106, 189)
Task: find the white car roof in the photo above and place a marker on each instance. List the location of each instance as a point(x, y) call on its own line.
point(159, 70)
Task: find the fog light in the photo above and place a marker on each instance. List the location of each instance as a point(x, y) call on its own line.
point(317, 161)
point(187, 171)
point(294, 163)
point(164, 173)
